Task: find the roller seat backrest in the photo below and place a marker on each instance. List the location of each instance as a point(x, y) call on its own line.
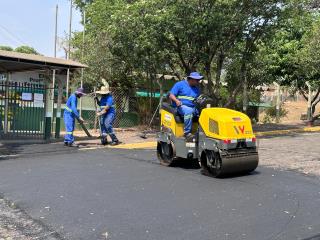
point(174, 111)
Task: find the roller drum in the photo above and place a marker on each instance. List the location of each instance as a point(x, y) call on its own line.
point(238, 162)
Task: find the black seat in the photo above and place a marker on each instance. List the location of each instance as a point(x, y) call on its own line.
point(178, 118)
point(167, 107)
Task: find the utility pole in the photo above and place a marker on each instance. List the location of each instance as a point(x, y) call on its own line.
point(50, 88)
point(82, 54)
point(55, 51)
point(69, 47)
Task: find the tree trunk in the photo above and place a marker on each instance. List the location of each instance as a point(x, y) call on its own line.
point(232, 98)
point(220, 61)
point(314, 103)
point(243, 80)
point(209, 89)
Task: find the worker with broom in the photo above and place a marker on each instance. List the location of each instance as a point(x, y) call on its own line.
point(70, 115)
point(107, 113)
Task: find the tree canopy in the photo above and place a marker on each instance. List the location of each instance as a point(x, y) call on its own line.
point(21, 49)
point(237, 45)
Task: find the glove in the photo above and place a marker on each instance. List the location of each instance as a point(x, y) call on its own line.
point(81, 119)
point(178, 103)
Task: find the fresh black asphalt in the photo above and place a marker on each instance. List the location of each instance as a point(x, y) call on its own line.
point(82, 195)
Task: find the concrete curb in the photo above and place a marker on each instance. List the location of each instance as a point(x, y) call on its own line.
point(148, 145)
point(287, 131)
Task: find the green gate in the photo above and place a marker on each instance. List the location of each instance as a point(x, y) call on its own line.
point(22, 110)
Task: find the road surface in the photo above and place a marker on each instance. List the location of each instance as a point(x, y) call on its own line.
point(127, 195)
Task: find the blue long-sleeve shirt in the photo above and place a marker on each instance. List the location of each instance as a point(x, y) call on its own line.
point(71, 105)
point(185, 93)
point(107, 101)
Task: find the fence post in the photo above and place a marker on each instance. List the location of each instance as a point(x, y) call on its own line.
point(278, 102)
point(48, 109)
point(95, 115)
point(58, 114)
point(6, 104)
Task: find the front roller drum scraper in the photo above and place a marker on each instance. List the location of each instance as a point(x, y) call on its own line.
point(221, 164)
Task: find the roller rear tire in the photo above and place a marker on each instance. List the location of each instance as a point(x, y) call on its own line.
point(165, 153)
point(211, 164)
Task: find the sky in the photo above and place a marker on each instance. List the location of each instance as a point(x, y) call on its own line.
point(32, 23)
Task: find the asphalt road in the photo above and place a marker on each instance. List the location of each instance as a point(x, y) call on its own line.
point(126, 194)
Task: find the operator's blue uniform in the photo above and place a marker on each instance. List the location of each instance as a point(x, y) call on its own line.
point(186, 95)
point(108, 118)
point(69, 116)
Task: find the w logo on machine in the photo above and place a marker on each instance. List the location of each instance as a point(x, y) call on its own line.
point(239, 129)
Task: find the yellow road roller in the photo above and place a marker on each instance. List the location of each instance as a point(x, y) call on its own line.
point(223, 141)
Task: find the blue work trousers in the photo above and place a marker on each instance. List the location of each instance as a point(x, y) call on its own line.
point(107, 125)
point(188, 113)
point(69, 122)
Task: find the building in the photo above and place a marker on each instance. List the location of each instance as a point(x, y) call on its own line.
point(28, 84)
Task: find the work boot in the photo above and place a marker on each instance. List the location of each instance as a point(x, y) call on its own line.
point(114, 143)
point(114, 139)
point(73, 145)
point(189, 137)
point(104, 141)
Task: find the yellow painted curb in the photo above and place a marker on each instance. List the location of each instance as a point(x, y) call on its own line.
point(312, 129)
point(280, 132)
point(137, 145)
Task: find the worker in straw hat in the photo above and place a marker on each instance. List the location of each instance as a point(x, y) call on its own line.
point(107, 113)
point(69, 116)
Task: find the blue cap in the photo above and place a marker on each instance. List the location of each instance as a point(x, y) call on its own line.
point(80, 91)
point(195, 75)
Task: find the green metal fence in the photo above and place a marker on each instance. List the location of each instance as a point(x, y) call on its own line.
point(22, 110)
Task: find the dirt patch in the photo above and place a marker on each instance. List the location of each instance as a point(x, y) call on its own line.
point(294, 111)
point(125, 136)
point(17, 225)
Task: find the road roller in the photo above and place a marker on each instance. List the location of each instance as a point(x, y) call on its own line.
point(223, 142)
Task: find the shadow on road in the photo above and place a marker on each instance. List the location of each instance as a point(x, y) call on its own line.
point(9, 149)
point(14, 150)
point(240, 175)
point(186, 164)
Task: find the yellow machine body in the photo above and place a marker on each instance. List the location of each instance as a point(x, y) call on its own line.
point(225, 124)
point(223, 141)
point(168, 121)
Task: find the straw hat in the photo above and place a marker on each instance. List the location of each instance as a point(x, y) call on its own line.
point(104, 89)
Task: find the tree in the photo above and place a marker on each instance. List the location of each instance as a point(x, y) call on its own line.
point(26, 49)
point(221, 39)
point(6, 48)
point(308, 68)
point(292, 56)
